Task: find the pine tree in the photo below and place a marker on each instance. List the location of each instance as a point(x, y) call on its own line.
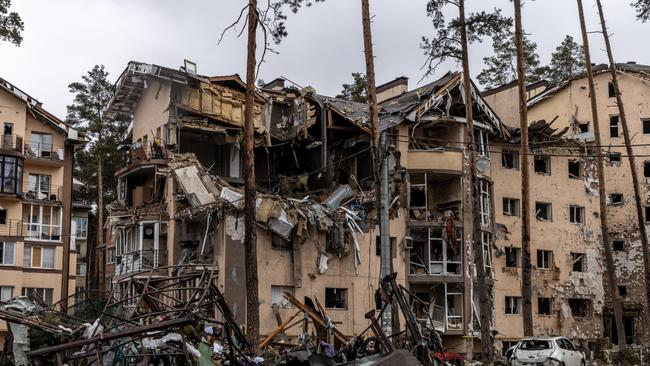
point(642, 9)
point(357, 91)
point(11, 25)
point(567, 61)
point(446, 45)
point(501, 67)
point(97, 164)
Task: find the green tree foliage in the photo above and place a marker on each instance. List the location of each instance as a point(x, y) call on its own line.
point(567, 61)
point(357, 91)
point(501, 66)
point(642, 9)
point(446, 44)
point(11, 25)
point(88, 113)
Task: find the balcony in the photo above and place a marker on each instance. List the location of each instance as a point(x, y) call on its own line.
point(42, 192)
point(11, 143)
point(140, 153)
point(11, 229)
point(439, 160)
point(140, 260)
point(46, 154)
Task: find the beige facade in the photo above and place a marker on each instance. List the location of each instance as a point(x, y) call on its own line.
point(34, 148)
point(568, 106)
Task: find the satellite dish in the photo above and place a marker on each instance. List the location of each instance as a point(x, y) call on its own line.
point(482, 165)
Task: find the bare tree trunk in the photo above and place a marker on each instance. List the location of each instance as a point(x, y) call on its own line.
point(381, 185)
point(100, 218)
point(607, 249)
point(474, 206)
point(526, 273)
point(250, 190)
point(633, 170)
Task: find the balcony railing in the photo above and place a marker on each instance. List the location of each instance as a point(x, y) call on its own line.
point(41, 151)
point(46, 192)
point(11, 143)
point(139, 152)
point(140, 260)
point(11, 228)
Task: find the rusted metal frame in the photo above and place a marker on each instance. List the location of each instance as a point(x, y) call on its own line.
point(209, 281)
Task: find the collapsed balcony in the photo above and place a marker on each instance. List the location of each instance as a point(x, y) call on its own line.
point(142, 246)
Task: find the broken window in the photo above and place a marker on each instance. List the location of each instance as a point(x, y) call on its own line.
point(611, 91)
point(506, 345)
point(486, 241)
point(431, 195)
point(510, 206)
point(513, 305)
point(485, 209)
point(575, 169)
point(616, 198)
point(646, 125)
point(647, 213)
point(580, 308)
point(613, 126)
point(513, 256)
point(336, 298)
point(45, 294)
point(543, 211)
point(646, 170)
point(441, 303)
point(618, 245)
point(576, 214)
point(544, 259)
point(454, 308)
point(542, 164)
point(482, 145)
point(279, 243)
point(393, 246)
point(583, 127)
point(544, 305)
point(434, 253)
point(277, 297)
point(510, 159)
point(579, 262)
point(614, 157)
point(622, 290)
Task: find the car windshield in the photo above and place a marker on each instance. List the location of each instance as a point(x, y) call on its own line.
point(534, 345)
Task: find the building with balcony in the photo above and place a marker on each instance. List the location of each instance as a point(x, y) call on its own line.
point(36, 149)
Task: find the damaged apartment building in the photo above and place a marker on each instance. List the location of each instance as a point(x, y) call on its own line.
point(180, 195)
point(570, 294)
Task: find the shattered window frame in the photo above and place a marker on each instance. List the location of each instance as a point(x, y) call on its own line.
point(573, 165)
point(340, 300)
point(544, 303)
point(618, 245)
point(576, 214)
point(513, 256)
point(486, 242)
point(436, 247)
point(580, 308)
point(544, 259)
point(485, 209)
point(510, 159)
point(512, 305)
point(544, 170)
point(611, 91)
point(547, 207)
point(583, 127)
point(616, 199)
point(278, 299)
point(511, 207)
point(578, 262)
point(46, 294)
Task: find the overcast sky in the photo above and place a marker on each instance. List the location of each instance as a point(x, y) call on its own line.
point(65, 38)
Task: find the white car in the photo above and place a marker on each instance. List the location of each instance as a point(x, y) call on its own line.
point(546, 351)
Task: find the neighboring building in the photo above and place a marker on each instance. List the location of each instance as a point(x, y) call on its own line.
point(35, 150)
point(80, 210)
point(586, 307)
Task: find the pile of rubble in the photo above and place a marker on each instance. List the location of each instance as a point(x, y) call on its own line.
point(185, 320)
